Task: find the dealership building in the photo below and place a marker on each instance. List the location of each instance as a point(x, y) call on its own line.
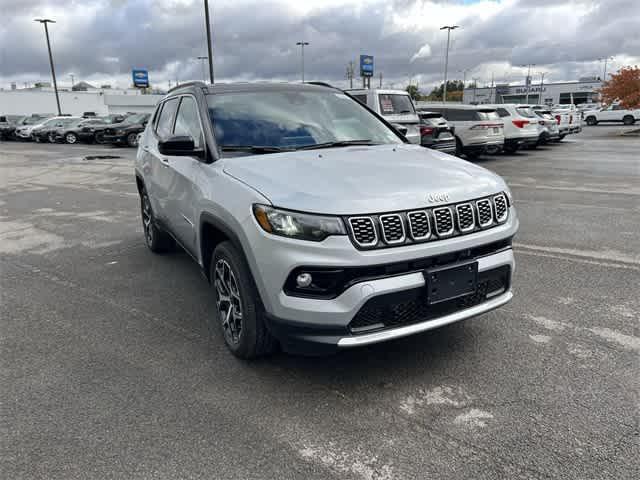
point(584, 90)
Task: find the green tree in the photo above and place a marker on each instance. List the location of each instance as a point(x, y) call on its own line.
point(413, 92)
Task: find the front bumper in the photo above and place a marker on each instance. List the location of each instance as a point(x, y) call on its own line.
point(312, 324)
point(118, 139)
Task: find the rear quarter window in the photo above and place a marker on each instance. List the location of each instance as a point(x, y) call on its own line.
point(361, 98)
point(395, 104)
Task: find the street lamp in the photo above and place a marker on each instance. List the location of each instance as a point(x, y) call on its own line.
point(44, 21)
point(209, 45)
point(448, 28)
point(204, 76)
point(302, 45)
point(604, 74)
point(528, 81)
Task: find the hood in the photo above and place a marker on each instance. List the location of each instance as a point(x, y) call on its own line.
point(359, 180)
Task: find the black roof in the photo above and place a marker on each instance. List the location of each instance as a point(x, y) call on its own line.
point(251, 87)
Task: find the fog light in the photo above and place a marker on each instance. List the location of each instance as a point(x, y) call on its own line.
point(304, 280)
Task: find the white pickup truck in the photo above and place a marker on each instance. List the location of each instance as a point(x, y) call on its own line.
point(612, 113)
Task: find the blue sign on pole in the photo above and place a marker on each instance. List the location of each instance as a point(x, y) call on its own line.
point(140, 77)
point(366, 66)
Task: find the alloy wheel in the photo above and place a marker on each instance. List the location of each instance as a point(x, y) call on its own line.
point(70, 138)
point(147, 219)
point(228, 301)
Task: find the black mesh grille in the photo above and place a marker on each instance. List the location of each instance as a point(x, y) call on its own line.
point(419, 225)
point(443, 221)
point(500, 204)
point(392, 228)
point(408, 307)
point(465, 217)
point(485, 216)
point(363, 230)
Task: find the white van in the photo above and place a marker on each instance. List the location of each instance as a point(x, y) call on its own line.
point(395, 106)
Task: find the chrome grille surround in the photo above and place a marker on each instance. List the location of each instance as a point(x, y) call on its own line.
point(485, 212)
point(427, 224)
point(363, 230)
point(392, 228)
point(419, 224)
point(443, 221)
point(465, 217)
point(501, 208)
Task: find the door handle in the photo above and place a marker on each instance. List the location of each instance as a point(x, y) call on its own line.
point(165, 162)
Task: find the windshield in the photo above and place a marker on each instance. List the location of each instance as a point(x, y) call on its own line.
point(293, 119)
point(137, 118)
point(396, 104)
point(488, 115)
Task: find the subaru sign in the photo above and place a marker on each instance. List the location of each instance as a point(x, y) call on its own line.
point(366, 66)
point(140, 78)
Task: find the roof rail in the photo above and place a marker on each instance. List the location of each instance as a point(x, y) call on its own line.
point(322, 84)
point(195, 83)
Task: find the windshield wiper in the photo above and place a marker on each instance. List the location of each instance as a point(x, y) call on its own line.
point(404, 111)
point(254, 149)
point(342, 143)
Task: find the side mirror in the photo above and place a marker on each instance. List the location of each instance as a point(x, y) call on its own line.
point(179, 146)
point(403, 130)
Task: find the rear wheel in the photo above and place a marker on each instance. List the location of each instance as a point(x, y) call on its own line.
point(628, 120)
point(591, 120)
point(510, 148)
point(71, 138)
point(157, 240)
point(240, 313)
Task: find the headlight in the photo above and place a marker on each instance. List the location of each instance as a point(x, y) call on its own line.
point(303, 226)
point(507, 192)
point(120, 132)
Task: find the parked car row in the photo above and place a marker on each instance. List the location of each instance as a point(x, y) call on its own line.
point(112, 129)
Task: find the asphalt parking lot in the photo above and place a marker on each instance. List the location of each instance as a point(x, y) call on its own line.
point(109, 369)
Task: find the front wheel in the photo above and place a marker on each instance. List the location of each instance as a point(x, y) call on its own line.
point(240, 313)
point(132, 139)
point(157, 240)
point(51, 138)
point(591, 121)
point(71, 138)
point(628, 120)
point(99, 138)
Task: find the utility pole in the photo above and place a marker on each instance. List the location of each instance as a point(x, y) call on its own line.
point(541, 85)
point(45, 21)
point(350, 73)
point(528, 80)
point(302, 44)
point(475, 86)
point(448, 28)
point(209, 45)
point(203, 58)
point(604, 73)
point(493, 95)
point(72, 82)
point(380, 79)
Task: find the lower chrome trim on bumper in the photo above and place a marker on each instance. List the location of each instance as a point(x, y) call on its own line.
point(385, 335)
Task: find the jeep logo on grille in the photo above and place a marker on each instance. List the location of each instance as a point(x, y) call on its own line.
point(438, 197)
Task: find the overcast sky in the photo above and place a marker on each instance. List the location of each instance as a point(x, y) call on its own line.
point(101, 40)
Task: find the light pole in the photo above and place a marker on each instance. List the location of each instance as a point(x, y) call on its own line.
point(203, 58)
point(72, 82)
point(209, 45)
point(528, 80)
point(541, 86)
point(475, 86)
point(302, 44)
point(448, 28)
point(604, 73)
point(44, 21)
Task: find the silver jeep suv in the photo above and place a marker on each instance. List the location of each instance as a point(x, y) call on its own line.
point(319, 227)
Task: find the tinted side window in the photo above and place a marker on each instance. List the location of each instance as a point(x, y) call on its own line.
point(188, 122)
point(502, 112)
point(165, 121)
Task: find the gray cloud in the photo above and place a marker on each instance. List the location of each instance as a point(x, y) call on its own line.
point(103, 40)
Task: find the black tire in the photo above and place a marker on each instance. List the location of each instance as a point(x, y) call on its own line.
point(591, 120)
point(459, 148)
point(511, 149)
point(561, 137)
point(246, 335)
point(157, 240)
point(99, 138)
point(132, 140)
point(472, 154)
point(628, 120)
point(51, 138)
point(70, 138)
point(36, 138)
